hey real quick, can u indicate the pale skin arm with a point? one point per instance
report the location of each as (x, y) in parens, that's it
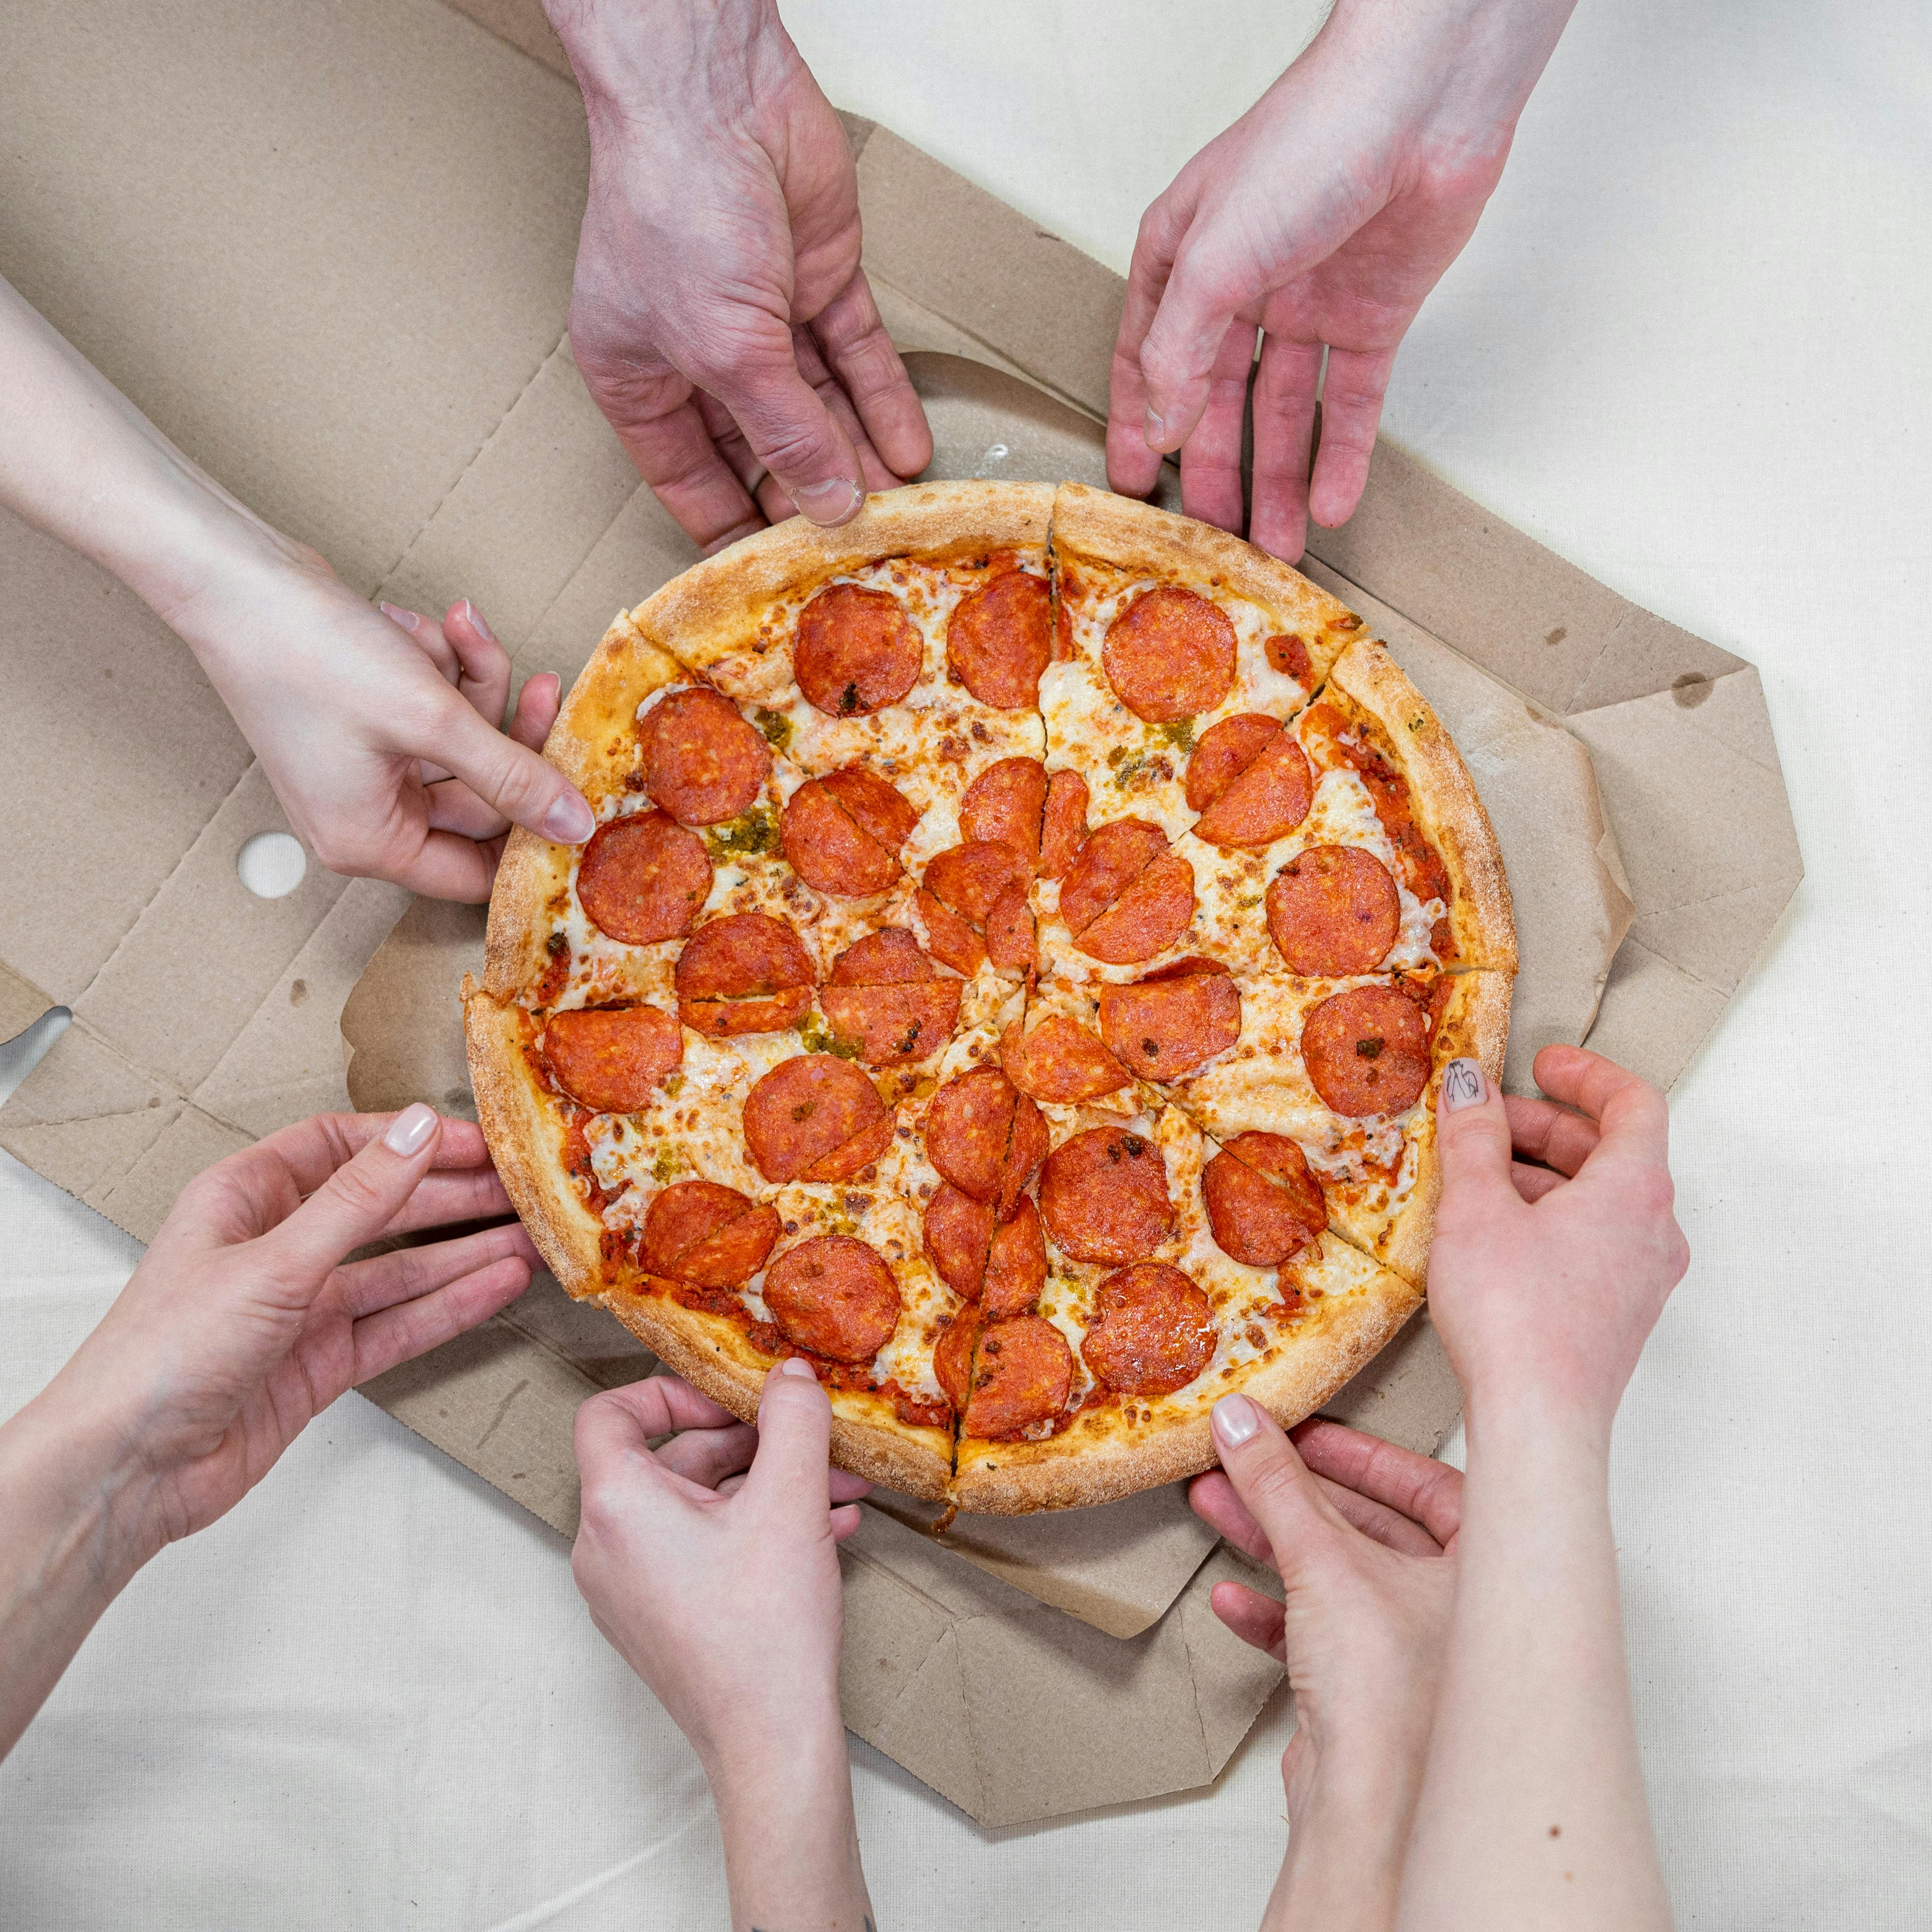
(1316, 225)
(377, 729)
(242, 1322)
(1532, 1811)
(712, 1565)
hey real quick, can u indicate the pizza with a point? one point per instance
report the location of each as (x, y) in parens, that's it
(1012, 970)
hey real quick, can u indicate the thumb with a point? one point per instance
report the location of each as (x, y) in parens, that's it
(1270, 1477)
(788, 428)
(515, 780)
(1472, 1134)
(358, 1201)
(794, 1438)
(1182, 346)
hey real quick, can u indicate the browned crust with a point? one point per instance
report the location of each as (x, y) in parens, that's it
(712, 1354)
(1074, 1471)
(525, 1142)
(1134, 535)
(1476, 1027)
(1447, 808)
(592, 741)
(710, 611)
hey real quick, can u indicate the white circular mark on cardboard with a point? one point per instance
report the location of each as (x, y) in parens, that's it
(271, 864)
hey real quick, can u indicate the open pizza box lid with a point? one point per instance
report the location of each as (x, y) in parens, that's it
(240, 282)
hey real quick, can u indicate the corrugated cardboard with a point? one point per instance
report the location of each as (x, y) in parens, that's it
(328, 250)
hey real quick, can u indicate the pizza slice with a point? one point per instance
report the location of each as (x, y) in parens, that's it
(1166, 629)
(1100, 1383)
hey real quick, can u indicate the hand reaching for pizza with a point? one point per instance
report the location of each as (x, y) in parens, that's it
(1363, 1534)
(242, 1322)
(719, 316)
(711, 1564)
(1319, 221)
(1555, 1246)
(381, 742)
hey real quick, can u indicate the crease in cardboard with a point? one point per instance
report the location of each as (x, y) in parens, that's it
(475, 455)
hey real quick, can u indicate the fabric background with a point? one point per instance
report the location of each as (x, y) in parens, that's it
(1688, 350)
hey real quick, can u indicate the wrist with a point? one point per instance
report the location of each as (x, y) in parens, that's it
(753, 1759)
(629, 54)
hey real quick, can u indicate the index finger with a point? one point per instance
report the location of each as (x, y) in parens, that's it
(624, 1420)
(1632, 1118)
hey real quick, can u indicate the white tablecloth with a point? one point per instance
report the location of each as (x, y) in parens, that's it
(1689, 348)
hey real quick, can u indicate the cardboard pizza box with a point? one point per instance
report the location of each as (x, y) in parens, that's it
(328, 252)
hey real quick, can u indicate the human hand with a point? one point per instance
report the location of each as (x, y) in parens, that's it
(1363, 1534)
(378, 729)
(719, 316)
(1549, 1272)
(712, 1565)
(1321, 219)
(243, 1320)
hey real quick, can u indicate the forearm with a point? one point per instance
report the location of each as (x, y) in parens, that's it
(1345, 1855)
(1532, 1811)
(791, 1845)
(1480, 58)
(75, 1525)
(78, 460)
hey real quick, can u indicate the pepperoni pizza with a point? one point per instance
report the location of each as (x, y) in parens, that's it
(1012, 970)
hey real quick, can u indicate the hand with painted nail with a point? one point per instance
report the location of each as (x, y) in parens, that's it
(1363, 1535)
(711, 1564)
(719, 315)
(1317, 224)
(1555, 1246)
(382, 743)
(244, 1320)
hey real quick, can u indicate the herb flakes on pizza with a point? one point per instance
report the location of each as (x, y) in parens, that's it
(1012, 970)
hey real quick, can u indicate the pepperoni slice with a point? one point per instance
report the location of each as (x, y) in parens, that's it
(962, 886)
(815, 1117)
(888, 1026)
(1367, 1050)
(1147, 918)
(998, 640)
(1022, 1375)
(877, 807)
(953, 1357)
(745, 973)
(1025, 1152)
(703, 762)
(967, 1126)
(643, 878)
(1016, 1265)
(712, 1237)
(959, 1232)
(1064, 824)
(610, 1058)
(1170, 654)
(1265, 802)
(834, 1296)
(1007, 802)
(890, 957)
(1173, 1020)
(1059, 1063)
(1289, 656)
(857, 650)
(829, 848)
(1103, 1195)
(1112, 857)
(1225, 751)
(1264, 1203)
(1333, 910)
(1153, 1331)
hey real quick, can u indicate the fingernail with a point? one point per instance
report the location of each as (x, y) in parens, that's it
(475, 618)
(570, 821)
(830, 502)
(1236, 1419)
(396, 614)
(408, 1132)
(1463, 1085)
(1156, 431)
(796, 1365)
